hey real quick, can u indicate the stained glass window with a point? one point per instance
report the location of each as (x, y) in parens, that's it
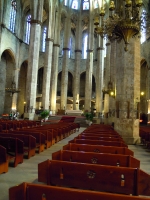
(85, 41)
(44, 39)
(86, 5)
(12, 20)
(28, 27)
(75, 4)
(95, 4)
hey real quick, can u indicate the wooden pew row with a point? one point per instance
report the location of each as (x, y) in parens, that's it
(96, 158)
(40, 138)
(145, 136)
(48, 134)
(29, 142)
(113, 179)
(98, 149)
(99, 142)
(3, 160)
(99, 137)
(14, 149)
(30, 191)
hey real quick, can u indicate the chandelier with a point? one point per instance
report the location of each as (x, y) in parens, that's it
(12, 90)
(124, 24)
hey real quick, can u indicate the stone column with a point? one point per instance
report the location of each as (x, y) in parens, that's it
(64, 79)
(47, 74)
(113, 81)
(2, 84)
(1, 18)
(33, 59)
(128, 90)
(78, 54)
(99, 77)
(107, 69)
(89, 66)
(15, 95)
(55, 57)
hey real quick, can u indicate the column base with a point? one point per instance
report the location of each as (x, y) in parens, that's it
(132, 140)
(30, 116)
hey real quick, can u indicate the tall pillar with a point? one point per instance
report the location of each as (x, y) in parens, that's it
(99, 76)
(78, 54)
(128, 91)
(33, 59)
(55, 57)
(64, 79)
(1, 18)
(113, 81)
(89, 67)
(47, 74)
(107, 70)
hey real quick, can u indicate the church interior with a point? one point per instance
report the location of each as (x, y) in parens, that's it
(73, 58)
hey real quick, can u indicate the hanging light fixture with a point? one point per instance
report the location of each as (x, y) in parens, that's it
(123, 24)
(12, 90)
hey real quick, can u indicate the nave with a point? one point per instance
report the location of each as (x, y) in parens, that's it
(28, 170)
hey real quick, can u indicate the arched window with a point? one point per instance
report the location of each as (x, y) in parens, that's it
(95, 4)
(28, 27)
(85, 41)
(75, 4)
(44, 39)
(12, 20)
(86, 5)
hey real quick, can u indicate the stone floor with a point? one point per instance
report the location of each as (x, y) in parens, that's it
(28, 170)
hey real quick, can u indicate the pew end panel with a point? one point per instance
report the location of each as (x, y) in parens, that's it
(56, 155)
(3, 160)
(43, 171)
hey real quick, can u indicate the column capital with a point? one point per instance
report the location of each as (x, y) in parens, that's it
(89, 50)
(100, 48)
(66, 49)
(56, 45)
(78, 50)
(34, 21)
(49, 39)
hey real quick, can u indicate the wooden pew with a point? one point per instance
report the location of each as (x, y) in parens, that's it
(99, 142)
(29, 142)
(40, 138)
(48, 134)
(98, 149)
(121, 180)
(96, 158)
(99, 137)
(14, 148)
(3, 160)
(30, 191)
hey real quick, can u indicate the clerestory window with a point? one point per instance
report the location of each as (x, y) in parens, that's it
(86, 5)
(44, 39)
(28, 27)
(12, 20)
(75, 4)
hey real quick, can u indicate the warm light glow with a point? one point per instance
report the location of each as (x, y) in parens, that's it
(142, 93)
